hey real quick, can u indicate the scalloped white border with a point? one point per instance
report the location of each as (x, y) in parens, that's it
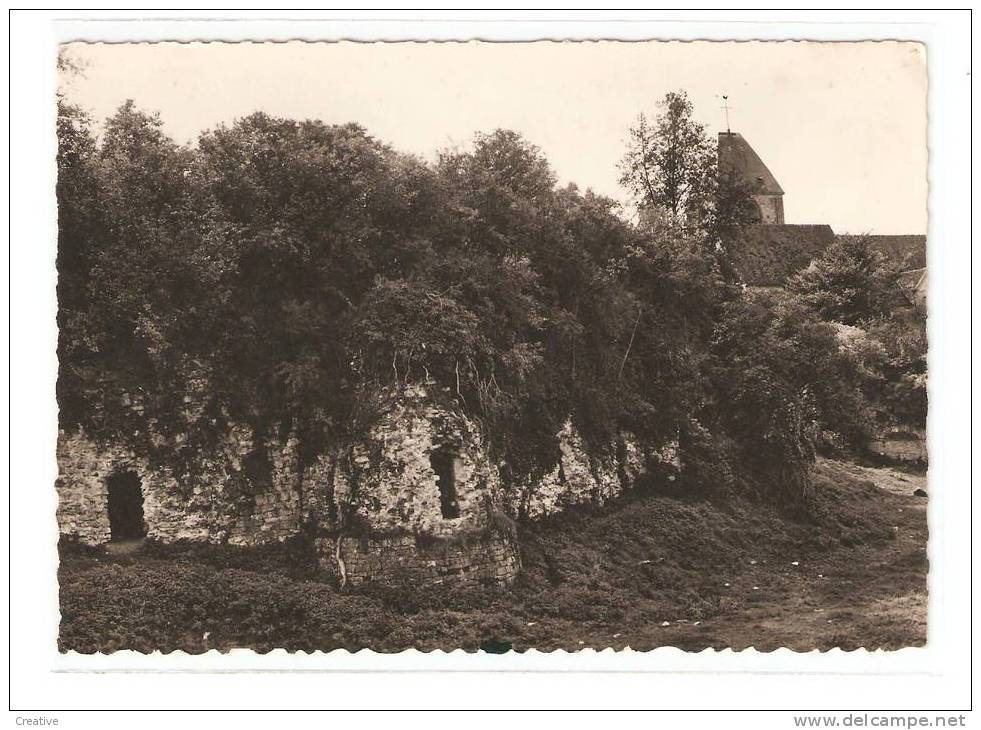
(918, 678)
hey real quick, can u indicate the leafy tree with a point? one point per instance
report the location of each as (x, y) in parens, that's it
(850, 282)
(903, 370)
(81, 230)
(293, 274)
(668, 164)
(128, 292)
(301, 220)
(892, 357)
(779, 379)
(671, 169)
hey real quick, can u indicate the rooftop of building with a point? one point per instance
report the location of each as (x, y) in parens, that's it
(905, 251)
(765, 255)
(736, 153)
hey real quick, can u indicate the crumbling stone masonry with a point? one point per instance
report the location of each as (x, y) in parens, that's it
(196, 508)
(422, 468)
(491, 558)
(900, 445)
(582, 477)
(418, 498)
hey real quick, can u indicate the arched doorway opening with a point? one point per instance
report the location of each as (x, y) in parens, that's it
(125, 504)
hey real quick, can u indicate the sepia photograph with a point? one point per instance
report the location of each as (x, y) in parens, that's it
(466, 361)
(492, 346)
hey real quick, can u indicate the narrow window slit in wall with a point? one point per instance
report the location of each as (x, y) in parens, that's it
(443, 462)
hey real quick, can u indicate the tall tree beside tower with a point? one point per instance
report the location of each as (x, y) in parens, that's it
(671, 169)
(669, 161)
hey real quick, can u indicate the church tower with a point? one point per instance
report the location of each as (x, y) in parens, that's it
(735, 155)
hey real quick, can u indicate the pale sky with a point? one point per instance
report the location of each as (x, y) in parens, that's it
(842, 126)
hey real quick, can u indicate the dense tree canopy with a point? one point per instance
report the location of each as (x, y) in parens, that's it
(853, 284)
(288, 273)
(781, 378)
(850, 282)
(671, 169)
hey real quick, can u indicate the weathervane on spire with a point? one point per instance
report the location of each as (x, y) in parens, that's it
(725, 109)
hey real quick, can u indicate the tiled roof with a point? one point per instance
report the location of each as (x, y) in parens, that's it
(767, 254)
(735, 153)
(907, 251)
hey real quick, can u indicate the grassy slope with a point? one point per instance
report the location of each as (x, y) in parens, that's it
(594, 578)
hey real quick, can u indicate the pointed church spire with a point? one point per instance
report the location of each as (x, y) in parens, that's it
(736, 156)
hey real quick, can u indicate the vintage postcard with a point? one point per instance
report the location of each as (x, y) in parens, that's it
(492, 346)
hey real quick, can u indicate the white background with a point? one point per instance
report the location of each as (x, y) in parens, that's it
(45, 683)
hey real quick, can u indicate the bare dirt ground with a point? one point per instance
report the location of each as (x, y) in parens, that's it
(862, 596)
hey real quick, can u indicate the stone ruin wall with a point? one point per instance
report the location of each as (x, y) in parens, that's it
(389, 480)
(390, 484)
(490, 558)
(384, 487)
(82, 490)
(907, 445)
(203, 509)
(580, 477)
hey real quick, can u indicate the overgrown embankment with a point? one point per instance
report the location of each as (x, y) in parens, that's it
(651, 570)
